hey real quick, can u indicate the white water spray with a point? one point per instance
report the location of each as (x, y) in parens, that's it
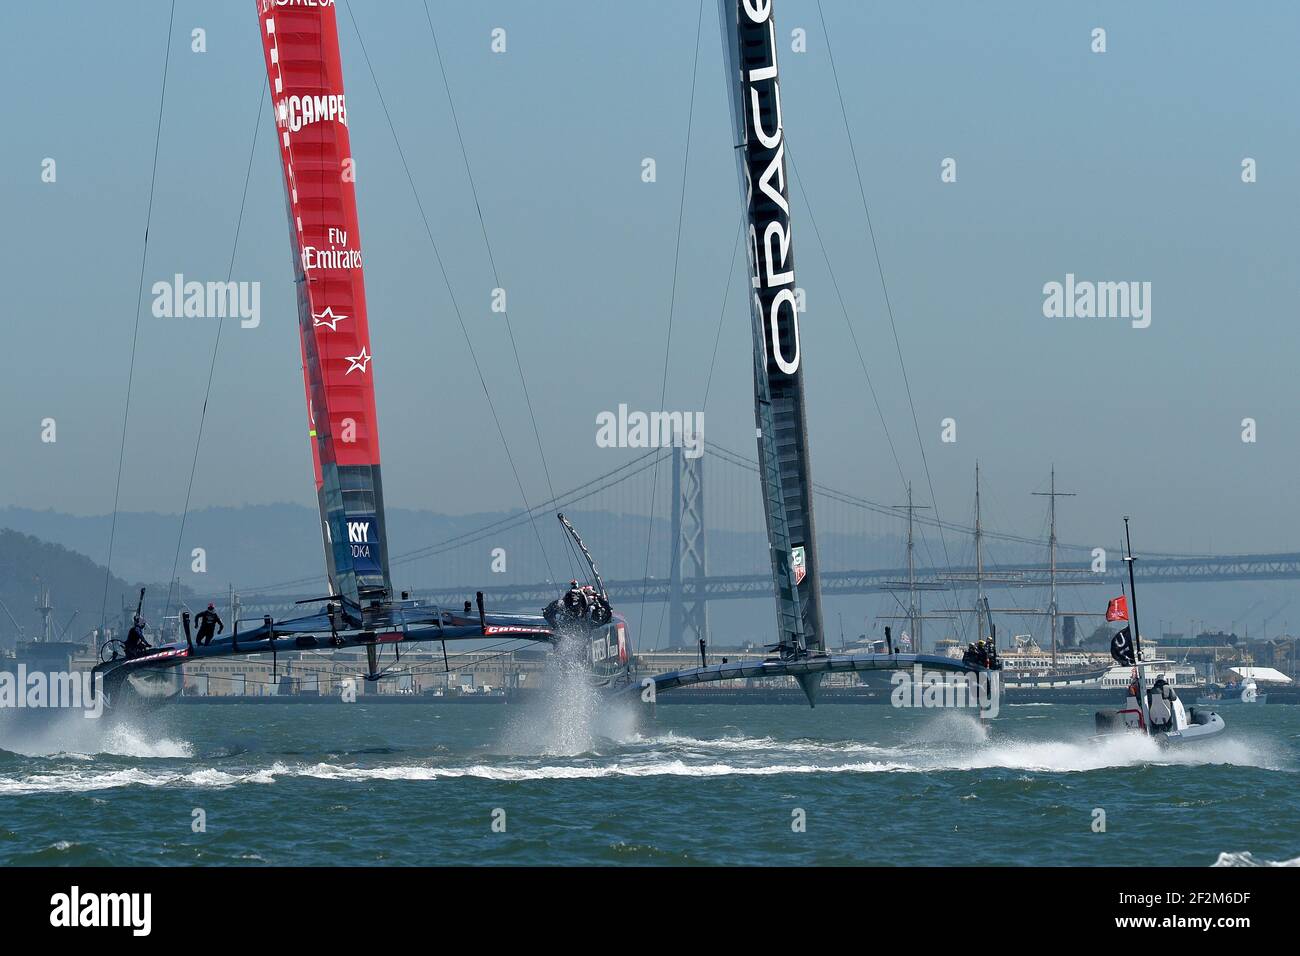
(68, 733)
(573, 716)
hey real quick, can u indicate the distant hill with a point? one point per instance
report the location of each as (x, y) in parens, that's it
(256, 546)
(76, 584)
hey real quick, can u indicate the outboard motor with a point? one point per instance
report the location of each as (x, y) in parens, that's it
(1109, 722)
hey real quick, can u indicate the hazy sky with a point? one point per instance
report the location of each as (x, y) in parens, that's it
(1116, 166)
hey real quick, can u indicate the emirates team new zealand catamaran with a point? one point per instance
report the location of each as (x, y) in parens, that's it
(301, 50)
(300, 43)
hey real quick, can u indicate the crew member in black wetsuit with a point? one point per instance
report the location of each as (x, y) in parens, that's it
(575, 602)
(207, 620)
(601, 612)
(135, 642)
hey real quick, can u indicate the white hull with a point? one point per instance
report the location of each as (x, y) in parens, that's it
(1195, 732)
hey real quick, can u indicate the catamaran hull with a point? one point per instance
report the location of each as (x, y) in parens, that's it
(126, 687)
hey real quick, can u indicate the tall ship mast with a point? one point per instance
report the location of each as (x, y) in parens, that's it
(301, 47)
(749, 45)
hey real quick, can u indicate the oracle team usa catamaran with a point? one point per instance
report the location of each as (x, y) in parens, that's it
(301, 48)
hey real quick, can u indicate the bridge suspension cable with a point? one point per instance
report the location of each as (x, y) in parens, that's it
(516, 519)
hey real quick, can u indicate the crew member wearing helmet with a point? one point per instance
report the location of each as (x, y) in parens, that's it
(208, 620)
(135, 642)
(575, 602)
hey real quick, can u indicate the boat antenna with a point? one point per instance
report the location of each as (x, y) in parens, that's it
(1132, 587)
(1137, 640)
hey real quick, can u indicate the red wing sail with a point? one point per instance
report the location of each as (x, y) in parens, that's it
(301, 46)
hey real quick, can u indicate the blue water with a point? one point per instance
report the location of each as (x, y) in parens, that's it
(327, 784)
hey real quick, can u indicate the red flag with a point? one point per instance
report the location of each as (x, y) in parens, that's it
(1117, 609)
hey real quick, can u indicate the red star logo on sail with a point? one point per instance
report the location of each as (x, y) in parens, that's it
(327, 318)
(359, 362)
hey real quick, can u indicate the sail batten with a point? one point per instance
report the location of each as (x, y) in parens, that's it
(749, 43)
(301, 49)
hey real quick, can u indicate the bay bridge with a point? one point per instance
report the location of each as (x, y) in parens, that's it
(656, 542)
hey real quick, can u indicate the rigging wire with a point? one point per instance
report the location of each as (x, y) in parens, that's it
(613, 479)
(889, 308)
(844, 309)
(135, 334)
(858, 349)
(672, 304)
(451, 294)
(509, 522)
(464, 154)
(740, 460)
(794, 174)
(708, 384)
(722, 313)
(216, 347)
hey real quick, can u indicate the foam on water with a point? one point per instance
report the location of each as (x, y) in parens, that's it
(756, 757)
(68, 733)
(78, 782)
(758, 745)
(1246, 858)
(657, 768)
(1120, 750)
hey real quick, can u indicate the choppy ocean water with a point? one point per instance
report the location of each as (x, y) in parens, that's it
(358, 784)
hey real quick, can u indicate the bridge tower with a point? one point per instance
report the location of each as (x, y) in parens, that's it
(688, 616)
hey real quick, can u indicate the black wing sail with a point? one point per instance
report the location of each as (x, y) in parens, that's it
(749, 41)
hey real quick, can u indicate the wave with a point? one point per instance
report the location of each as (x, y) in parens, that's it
(74, 736)
(673, 741)
(1058, 756)
(670, 768)
(79, 781)
(1246, 858)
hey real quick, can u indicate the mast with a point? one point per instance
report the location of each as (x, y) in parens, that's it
(1137, 640)
(749, 43)
(913, 610)
(301, 48)
(1052, 495)
(915, 616)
